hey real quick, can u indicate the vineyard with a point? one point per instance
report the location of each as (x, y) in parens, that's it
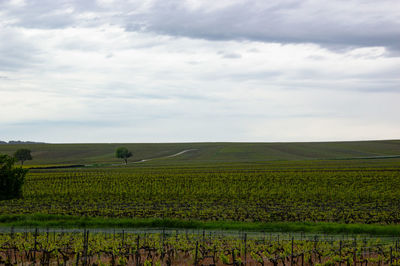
(161, 247)
(257, 193)
(178, 193)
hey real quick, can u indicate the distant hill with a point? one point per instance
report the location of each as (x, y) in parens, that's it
(219, 152)
(20, 142)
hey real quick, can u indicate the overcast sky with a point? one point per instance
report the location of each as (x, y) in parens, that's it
(199, 70)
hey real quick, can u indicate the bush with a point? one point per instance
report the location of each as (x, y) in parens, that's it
(11, 178)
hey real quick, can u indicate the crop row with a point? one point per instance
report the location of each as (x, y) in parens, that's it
(169, 248)
(350, 197)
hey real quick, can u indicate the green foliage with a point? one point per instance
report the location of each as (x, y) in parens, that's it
(234, 192)
(181, 248)
(11, 178)
(224, 258)
(23, 155)
(123, 153)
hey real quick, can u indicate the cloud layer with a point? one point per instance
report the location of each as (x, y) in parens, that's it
(154, 71)
(356, 23)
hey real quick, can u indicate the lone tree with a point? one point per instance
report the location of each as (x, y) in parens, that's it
(11, 178)
(123, 153)
(23, 155)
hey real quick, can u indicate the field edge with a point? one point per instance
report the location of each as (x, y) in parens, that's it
(66, 221)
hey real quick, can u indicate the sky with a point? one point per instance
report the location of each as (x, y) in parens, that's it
(199, 70)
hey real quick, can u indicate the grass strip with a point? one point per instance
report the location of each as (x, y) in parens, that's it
(65, 221)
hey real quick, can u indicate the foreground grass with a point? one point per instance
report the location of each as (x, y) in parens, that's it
(64, 221)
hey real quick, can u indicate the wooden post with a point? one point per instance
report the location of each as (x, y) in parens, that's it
(291, 257)
(137, 250)
(195, 254)
(214, 254)
(123, 238)
(162, 244)
(355, 250)
(245, 248)
(85, 246)
(355, 256)
(77, 259)
(34, 249)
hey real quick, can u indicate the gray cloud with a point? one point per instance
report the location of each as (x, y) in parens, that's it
(336, 24)
(47, 14)
(230, 55)
(64, 123)
(16, 51)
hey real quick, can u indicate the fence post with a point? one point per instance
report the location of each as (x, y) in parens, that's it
(195, 254)
(245, 248)
(291, 256)
(34, 250)
(85, 246)
(162, 244)
(391, 256)
(214, 254)
(77, 259)
(137, 250)
(123, 238)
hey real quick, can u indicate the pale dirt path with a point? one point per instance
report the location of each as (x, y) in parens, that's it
(168, 156)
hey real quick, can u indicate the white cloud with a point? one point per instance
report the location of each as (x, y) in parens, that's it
(85, 78)
(17, 3)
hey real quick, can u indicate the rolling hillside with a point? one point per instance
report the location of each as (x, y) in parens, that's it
(207, 152)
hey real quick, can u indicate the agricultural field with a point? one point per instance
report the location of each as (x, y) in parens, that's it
(189, 247)
(337, 183)
(254, 193)
(206, 153)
